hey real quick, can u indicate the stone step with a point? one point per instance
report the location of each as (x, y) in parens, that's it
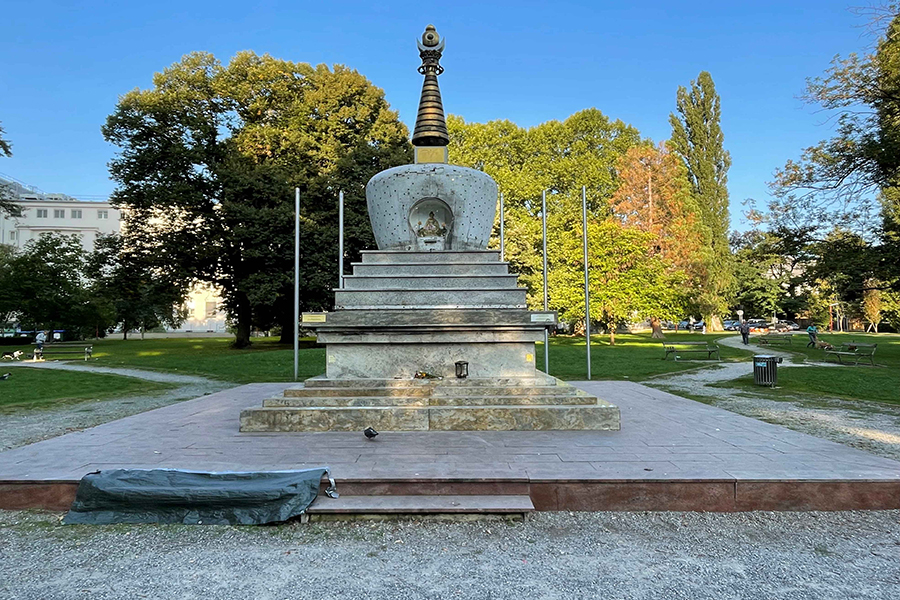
(419, 401)
(346, 391)
(446, 256)
(427, 299)
(320, 381)
(430, 282)
(422, 505)
(431, 268)
(597, 417)
(532, 390)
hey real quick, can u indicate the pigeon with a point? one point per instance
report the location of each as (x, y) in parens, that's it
(6, 376)
(370, 433)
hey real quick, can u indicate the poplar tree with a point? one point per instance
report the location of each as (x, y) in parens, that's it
(697, 138)
(7, 198)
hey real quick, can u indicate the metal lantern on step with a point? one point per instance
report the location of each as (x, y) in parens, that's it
(462, 369)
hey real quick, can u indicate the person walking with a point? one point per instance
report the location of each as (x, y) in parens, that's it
(813, 335)
(745, 332)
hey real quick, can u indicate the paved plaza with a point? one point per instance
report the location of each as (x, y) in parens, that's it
(672, 453)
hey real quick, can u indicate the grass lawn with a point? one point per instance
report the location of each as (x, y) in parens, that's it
(863, 382)
(29, 388)
(634, 357)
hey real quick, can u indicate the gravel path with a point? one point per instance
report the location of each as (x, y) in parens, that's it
(870, 426)
(552, 555)
(26, 427)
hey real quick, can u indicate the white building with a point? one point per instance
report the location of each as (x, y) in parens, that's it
(56, 213)
(59, 213)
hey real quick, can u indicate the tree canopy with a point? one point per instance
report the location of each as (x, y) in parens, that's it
(209, 159)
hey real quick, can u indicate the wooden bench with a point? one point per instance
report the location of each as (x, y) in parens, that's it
(64, 348)
(853, 350)
(677, 348)
(775, 338)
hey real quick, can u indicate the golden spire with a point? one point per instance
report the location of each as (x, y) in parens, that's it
(431, 126)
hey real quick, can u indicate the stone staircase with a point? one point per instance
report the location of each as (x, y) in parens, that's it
(511, 404)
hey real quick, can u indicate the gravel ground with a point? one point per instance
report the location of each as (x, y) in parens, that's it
(870, 426)
(551, 555)
(26, 427)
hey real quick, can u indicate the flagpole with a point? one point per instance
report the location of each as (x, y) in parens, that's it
(546, 304)
(296, 282)
(587, 294)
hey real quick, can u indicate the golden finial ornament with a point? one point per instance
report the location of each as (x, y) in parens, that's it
(431, 125)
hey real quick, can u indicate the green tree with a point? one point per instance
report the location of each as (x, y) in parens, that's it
(46, 287)
(872, 305)
(209, 159)
(698, 139)
(836, 181)
(629, 280)
(7, 298)
(7, 198)
(135, 293)
(559, 156)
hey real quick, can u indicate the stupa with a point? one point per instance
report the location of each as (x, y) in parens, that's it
(431, 331)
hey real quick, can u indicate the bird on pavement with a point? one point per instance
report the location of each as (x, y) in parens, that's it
(6, 376)
(370, 433)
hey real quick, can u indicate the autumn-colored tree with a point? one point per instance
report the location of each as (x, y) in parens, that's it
(654, 197)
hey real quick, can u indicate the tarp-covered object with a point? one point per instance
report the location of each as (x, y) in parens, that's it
(175, 496)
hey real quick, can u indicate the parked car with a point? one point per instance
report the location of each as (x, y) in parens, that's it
(731, 325)
(684, 324)
(789, 325)
(699, 325)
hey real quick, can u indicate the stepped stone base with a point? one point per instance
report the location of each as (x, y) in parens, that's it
(403, 313)
(421, 405)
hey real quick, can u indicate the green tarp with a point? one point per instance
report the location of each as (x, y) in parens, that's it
(175, 496)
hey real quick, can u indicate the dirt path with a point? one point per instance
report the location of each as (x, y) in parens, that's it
(870, 426)
(26, 427)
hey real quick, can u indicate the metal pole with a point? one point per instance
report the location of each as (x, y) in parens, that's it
(341, 239)
(587, 293)
(296, 281)
(546, 305)
(502, 239)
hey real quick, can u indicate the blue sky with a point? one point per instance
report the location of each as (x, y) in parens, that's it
(63, 65)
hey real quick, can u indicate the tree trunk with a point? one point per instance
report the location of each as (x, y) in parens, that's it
(713, 323)
(287, 324)
(124, 330)
(612, 335)
(244, 318)
(656, 326)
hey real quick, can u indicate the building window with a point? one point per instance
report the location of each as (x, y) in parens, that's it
(76, 213)
(210, 310)
(59, 213)
(12, 236)
(42, 213)
(103, 214)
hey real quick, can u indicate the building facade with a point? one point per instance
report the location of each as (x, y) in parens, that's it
(59, 213)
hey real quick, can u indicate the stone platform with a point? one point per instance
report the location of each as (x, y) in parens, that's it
(497, 404)
(671, 454)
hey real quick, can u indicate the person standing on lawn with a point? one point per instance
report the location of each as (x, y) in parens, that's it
(813, 335)
(745, 332)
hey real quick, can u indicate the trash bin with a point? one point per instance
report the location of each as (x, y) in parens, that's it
(765, 369)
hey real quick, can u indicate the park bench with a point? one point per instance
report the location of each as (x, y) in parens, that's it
(677, 348)
(64, 348)
(775, 338)
(853, 351)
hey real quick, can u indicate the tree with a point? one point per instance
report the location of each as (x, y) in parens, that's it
(654, 197)
(871, 305)
(698, 139)
(629, 280)
(7, 198)
(836, 182)
(46, 287)
(209, 159)
(136, 293)
(558, 156)
(7, 298)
